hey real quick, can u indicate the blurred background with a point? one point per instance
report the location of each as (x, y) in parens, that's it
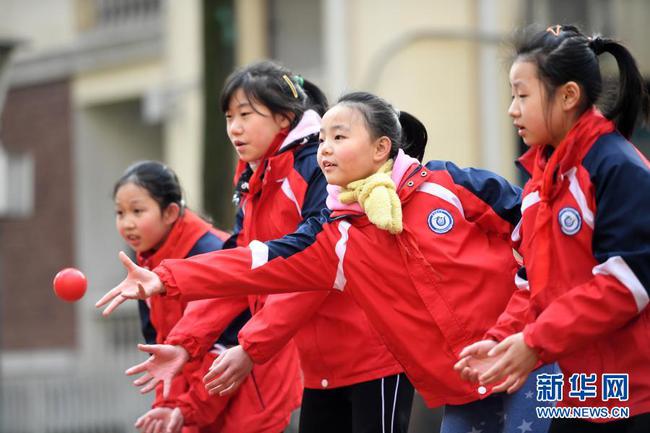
(89, 86)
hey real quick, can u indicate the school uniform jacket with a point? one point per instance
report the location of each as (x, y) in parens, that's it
(336, 342)
(589, 296)
(429, 291)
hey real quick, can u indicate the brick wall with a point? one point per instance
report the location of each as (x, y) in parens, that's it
(37, 119)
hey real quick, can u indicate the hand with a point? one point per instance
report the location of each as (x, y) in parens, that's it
(474, 360)
(164, 363)
(517, 361)
(161, 420)
(140, 283)
(230, 369)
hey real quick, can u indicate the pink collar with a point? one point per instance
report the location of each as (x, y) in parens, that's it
(400, 166)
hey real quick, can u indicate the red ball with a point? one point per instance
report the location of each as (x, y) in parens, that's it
(70, 284)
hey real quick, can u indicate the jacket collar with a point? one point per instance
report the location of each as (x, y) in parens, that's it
(402, 169)
(187, 230)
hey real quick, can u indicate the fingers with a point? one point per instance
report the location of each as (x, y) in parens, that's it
(176, 421)
(150, 386)
(143, 379)
(113, 305)
(142, 367)
(167, 385)
(516, 386)
(510, 381)
(108, 296)
(475, 349)
(140, 421)
(150, 348)
(127, 262)
(496, 372)
(463, 363)
(501, 347)
(217, 369)
(230, 389)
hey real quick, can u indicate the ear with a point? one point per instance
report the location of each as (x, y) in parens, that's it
(382, 149)
(171, 213)
(284, 120)
(570, 95)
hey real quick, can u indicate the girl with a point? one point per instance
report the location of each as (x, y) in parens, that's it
(421, 249)
(352, 382)
(151, 218)
(584, 232)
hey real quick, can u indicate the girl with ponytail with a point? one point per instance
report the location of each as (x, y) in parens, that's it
(584, 235)
(424, 250)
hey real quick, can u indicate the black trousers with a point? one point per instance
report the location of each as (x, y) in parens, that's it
(378, 406)
(635, 424)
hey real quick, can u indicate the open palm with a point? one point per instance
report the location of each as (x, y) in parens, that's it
(140, 283)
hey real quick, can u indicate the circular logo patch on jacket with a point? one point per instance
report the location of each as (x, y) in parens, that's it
(570, 221)
(440, 221)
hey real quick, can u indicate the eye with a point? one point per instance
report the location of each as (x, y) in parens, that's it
(119, 213)
(138, 211)
(339, 137)
(321, 140)
(245, 113)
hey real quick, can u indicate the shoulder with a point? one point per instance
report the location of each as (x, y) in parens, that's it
(305, 162)
(612, 156)
(206, 243)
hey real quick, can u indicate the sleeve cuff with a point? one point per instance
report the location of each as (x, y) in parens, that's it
(167, 279)
(531, 341)
(190, 344)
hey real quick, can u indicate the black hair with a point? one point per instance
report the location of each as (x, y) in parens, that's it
(159, 180)
(562, 53)
(277, 88)
(404, 130)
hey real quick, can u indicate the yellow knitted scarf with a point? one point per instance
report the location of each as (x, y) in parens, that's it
(377, 196)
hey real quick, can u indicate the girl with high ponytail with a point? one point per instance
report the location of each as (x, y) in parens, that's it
(584, 235)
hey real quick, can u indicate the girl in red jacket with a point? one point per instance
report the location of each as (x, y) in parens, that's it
(424, 250)
(151, 218)
(584, 235)
(351, 383)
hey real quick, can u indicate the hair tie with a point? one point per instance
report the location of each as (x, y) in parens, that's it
(555, 30)
(291, 86)
(597, 45)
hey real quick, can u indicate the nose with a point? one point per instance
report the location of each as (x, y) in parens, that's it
(513, 109)
(127, 222)
(235, 127)
(324, 148)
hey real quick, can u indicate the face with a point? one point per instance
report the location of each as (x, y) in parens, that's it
(347, 152)
(538, 120)
(251, 127)
(139, 220)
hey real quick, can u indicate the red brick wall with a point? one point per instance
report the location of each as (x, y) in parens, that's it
(37, 119)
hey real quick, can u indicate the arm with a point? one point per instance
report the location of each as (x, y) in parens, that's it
(276, 323)
(487, 199)
(203, 322)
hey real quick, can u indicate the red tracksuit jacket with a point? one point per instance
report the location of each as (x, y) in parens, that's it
(336, 342)
(429, 291)
(585, 241)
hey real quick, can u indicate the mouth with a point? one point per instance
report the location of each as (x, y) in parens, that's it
(238, 143)
(328, 165)
(520, 129)
(132, 239)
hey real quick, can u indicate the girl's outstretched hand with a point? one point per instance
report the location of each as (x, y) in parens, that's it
(164, 363)
(474, 360)
(230, 370)
(161, 420)
(140, 283)
(516, 361)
